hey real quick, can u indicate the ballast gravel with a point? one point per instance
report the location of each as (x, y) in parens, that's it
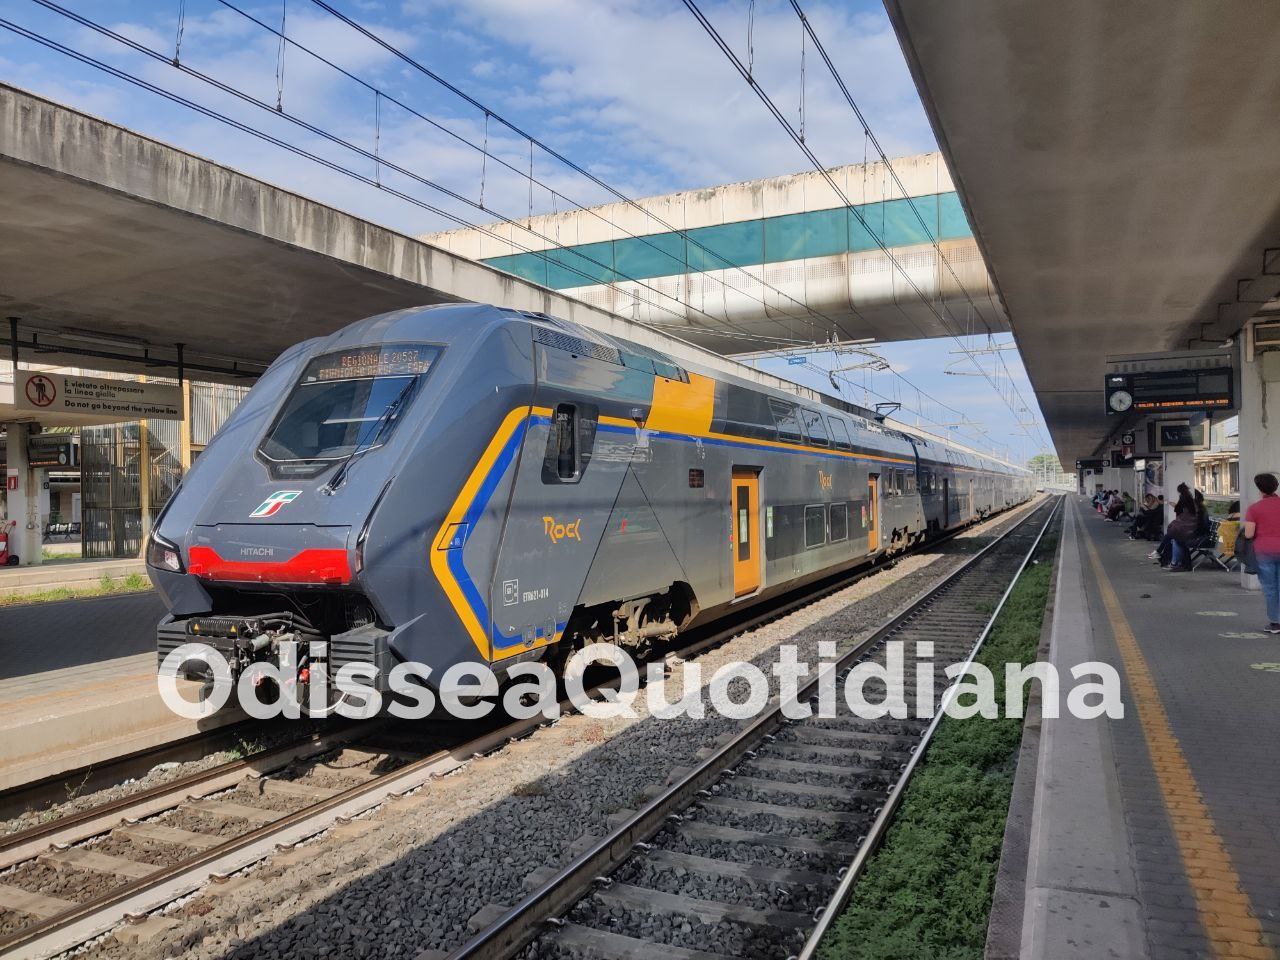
(413, 881)
(78, 800)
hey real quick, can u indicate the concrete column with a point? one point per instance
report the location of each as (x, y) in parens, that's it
(1178, 468)
(41, 478)
(1259, 422)
(24, 503)
(144, 479)
(185, 435)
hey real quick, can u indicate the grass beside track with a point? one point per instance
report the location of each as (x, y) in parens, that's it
(107, 586)
(926, 893)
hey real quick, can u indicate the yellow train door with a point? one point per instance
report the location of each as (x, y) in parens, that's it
(746, 532)
(873, 512)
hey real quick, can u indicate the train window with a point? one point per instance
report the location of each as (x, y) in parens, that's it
(746, 414)
(697, 479)
(814, 427)
(669, 370)
(839, 522)
(787, 417)
(815, 526)
(911, 481)
(346, 402)
(569, 443)
(839, 433)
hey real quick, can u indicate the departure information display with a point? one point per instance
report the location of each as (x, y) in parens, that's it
(392, 360)
(1171, 390)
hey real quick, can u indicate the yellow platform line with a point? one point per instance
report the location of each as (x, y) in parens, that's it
(1221, 903)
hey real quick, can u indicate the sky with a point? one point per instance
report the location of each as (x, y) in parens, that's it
(632, 91)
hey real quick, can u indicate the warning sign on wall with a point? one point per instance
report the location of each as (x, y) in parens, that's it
(38, 391)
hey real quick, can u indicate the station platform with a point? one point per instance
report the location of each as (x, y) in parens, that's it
(63, 720)
(1156, 835)
(16, 581)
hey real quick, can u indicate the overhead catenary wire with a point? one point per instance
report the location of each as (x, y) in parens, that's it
(514, 128)
(349, 145)
(944, 321)
(812, 33)
(490, 113)
(377, 157)
(808, 315)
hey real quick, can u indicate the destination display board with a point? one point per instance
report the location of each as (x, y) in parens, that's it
(394, 360)
(1171, 391)
(56, 450)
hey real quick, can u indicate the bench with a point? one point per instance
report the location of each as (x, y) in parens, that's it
(64, 529)
(1203, 548)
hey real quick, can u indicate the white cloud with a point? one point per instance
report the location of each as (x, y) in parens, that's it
(665, 95)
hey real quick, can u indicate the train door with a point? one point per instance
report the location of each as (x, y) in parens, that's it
(873, 512)
(972, 512)
(946, 504)
(746, 531)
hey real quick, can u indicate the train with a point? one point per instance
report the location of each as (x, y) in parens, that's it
(472, 484)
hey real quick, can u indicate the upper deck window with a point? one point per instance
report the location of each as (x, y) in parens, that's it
(787, 417)
(347, 401)
(839, 433)
(814, 427)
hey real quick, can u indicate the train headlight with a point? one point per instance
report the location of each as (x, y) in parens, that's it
(163, 555)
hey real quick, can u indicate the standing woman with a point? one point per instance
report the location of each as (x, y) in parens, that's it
(1262, 527)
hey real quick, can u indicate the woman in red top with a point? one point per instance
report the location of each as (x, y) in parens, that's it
(1262, 527)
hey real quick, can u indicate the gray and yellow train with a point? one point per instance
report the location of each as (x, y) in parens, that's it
(469, 483)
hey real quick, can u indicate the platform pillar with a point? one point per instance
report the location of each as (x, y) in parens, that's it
(23, 502)
(1259, 421)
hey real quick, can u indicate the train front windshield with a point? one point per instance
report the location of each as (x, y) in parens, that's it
(347, 401)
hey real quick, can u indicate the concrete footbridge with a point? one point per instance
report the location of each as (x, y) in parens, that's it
(732, 267)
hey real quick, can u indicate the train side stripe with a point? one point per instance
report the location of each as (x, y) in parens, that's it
(443, 555)
(447, 560)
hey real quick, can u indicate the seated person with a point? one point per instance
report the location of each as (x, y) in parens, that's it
(1146, 524)
(1190, 521)
(1119, 505)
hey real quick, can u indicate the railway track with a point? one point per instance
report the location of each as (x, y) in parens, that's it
(70, 880)
(755, 852)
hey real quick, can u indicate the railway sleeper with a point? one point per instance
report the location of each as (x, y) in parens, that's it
(80, 858)
(735, 805)
(705, 911)
(582, 941)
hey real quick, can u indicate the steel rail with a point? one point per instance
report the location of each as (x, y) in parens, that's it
(141, 895)
(76, 827)
(875, 835)
(95, 916)
(520, 924)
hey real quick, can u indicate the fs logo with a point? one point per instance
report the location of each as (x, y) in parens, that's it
(559, 531)
(271, 506)
(825, 480)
